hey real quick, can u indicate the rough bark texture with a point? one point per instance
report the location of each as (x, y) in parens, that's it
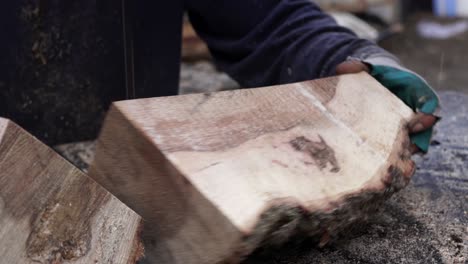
(219, 175)
(50, 212)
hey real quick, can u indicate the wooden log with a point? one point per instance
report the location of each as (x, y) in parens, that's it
(219, 175)
(50, 212)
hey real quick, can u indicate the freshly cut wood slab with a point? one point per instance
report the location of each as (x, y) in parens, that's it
(50, 212)
(219, 175)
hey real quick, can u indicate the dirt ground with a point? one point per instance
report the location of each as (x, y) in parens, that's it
(425, 223)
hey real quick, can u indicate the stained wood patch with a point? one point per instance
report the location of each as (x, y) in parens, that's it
(50, 212)
(219, 175)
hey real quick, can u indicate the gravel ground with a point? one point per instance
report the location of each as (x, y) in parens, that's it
(202, 77)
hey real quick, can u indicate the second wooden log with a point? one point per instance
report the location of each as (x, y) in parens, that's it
(50, 212)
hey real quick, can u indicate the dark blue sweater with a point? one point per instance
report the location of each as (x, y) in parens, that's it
(266, 42)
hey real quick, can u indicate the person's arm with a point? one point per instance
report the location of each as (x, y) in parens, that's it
(270, 42)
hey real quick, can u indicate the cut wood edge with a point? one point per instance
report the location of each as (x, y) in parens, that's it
(221, 241)
(138, 249)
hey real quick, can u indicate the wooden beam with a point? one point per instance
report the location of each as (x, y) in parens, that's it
(50, 212)
(219, 175)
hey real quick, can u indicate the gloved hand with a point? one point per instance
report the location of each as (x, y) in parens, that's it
(410, 88)
(417, 94)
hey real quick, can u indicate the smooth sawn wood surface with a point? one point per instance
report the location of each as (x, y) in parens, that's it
(50, 212)
(219, 175)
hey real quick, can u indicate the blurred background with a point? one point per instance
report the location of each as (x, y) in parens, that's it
(62, 62)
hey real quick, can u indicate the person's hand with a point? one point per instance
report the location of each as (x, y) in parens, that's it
(412, 90)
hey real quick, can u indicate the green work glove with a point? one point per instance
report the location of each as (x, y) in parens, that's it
(413, 91)
(411, 88)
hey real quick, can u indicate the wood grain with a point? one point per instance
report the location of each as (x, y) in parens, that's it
(218, 175)
(50, 212)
